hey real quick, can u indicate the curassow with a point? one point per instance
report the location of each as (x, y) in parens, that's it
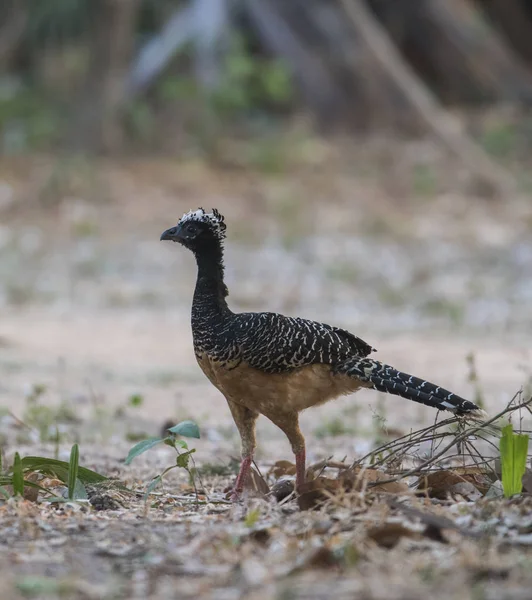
(277, 366)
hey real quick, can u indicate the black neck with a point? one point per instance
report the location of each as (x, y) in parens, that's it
(210, 290)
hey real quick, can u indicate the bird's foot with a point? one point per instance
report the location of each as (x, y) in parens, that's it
(241, 479)
(235, 495)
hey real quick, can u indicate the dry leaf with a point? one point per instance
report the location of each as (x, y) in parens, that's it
(444, 484)
(282, 468)
(389, 534)
(313, 493)
(256, 483)
(360, 479)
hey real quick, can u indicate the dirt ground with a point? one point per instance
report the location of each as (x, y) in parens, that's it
(95, 311)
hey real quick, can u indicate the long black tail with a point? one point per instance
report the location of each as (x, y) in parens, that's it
(387, 379)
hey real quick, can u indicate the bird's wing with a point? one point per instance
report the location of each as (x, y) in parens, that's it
(275, 343)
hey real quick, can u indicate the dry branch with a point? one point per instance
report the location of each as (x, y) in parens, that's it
(445, 127)
(401, 447)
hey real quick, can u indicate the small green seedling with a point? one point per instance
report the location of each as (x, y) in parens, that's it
(18, 476)
(514, 449)
(70, 473)
(184, 454)
(136, 400)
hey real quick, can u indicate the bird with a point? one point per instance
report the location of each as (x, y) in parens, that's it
(269, 364)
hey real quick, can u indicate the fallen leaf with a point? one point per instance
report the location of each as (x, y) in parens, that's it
(359, 479)
(282, 468)
(313, 494)
(444, 484)
(388, 535)
(256, 483)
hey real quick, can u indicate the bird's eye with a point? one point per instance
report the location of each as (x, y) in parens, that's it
(192, 228)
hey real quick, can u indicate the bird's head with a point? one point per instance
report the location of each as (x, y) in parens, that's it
(197, 229)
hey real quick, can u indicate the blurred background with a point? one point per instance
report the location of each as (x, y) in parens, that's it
(372, 159)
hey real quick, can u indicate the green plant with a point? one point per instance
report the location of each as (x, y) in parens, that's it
(70, 473)
(513, 450)
(184, 453)
(251, 518)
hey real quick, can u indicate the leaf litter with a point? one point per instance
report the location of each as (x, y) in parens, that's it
(393, 524)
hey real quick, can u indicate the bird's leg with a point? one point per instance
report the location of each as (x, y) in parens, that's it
(245, 421)
(243, 474)
(300, 468)
(289, 423)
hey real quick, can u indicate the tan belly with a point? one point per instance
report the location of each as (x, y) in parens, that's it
(267, 392)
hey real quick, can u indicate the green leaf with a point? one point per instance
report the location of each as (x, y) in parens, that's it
(18, 476)
(182, 460)
(136, 400)
(59, 469)
(80, 493)
(4, 493)
(32, 586)
(514, 449)
(252, 517)
(153, 484)
(186, 429)
(141, 447)
(73, 472)
(173, 442)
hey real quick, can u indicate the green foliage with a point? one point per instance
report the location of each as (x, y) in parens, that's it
(184, 428)
(59, 469)
(28, 120)
(142, 447)
(18, 476)
(250, 82)
(513, 449)
(251, 518)
(35, 586)
(45, 418)
(136, 400)
(70, 473)
(73, 467)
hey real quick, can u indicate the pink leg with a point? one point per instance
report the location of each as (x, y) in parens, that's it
(243, 474)
(300, 468)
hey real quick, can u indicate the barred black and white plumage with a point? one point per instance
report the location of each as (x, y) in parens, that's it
(387, 379)
(267, 363)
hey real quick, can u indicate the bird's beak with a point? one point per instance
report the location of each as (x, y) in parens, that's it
(170, 234)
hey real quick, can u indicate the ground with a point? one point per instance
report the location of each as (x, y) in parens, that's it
(95, 327)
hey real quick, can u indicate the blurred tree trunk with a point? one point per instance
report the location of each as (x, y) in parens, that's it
(275, 26)
(456, 51)
(444, 127)
(513, 18)
(96, 123)
(13, 21)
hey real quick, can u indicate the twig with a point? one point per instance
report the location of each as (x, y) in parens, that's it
(456, 441)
